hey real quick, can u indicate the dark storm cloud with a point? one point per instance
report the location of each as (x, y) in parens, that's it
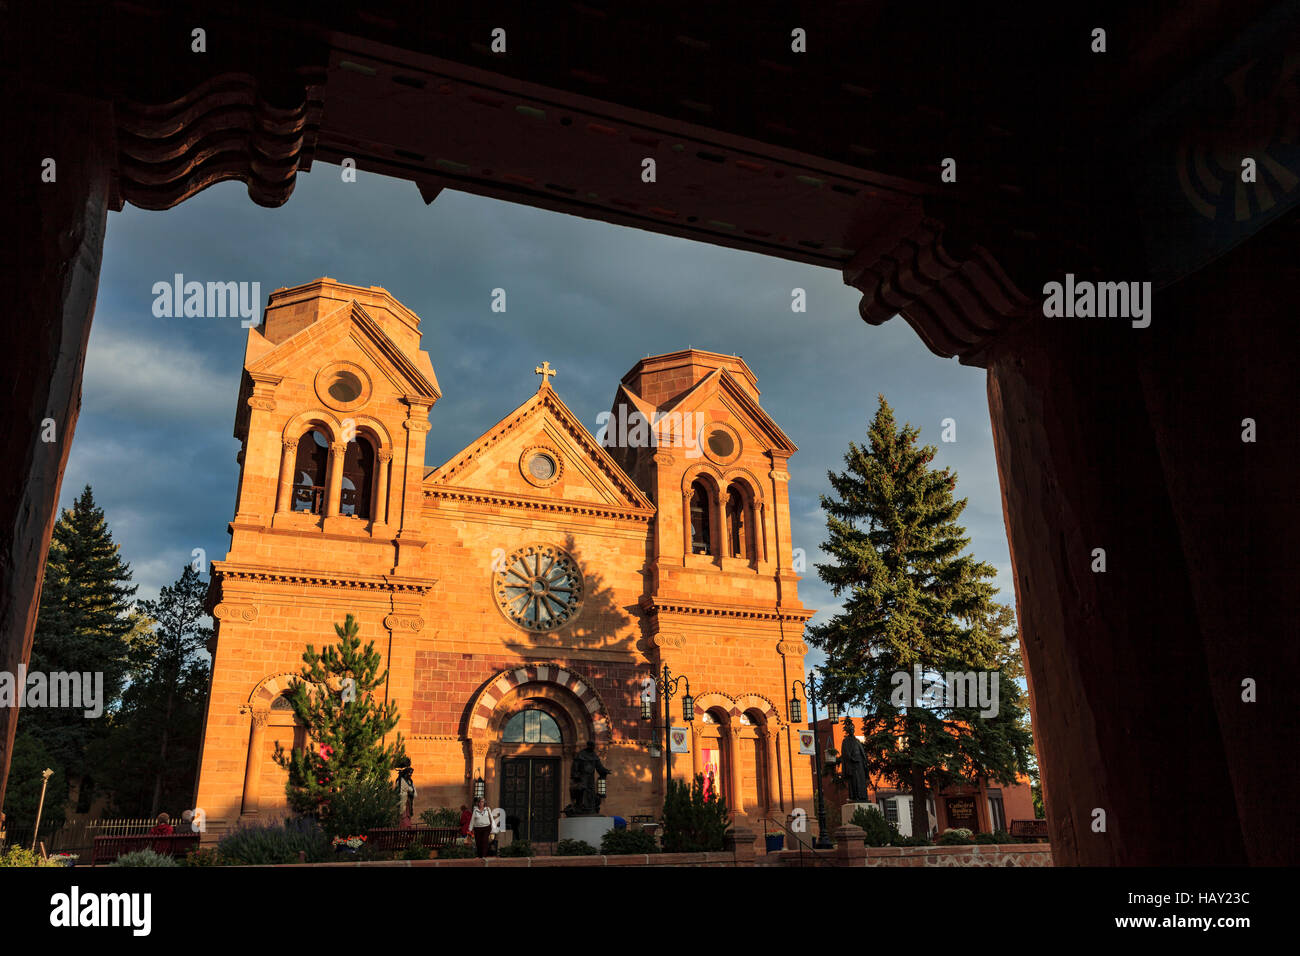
(154, 439)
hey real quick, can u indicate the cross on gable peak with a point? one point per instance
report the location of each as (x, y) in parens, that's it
(545, 371)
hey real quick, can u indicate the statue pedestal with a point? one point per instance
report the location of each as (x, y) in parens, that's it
(847, 811)
(587, 829)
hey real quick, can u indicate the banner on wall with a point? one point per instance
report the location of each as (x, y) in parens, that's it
(807, 744)
(679, 740)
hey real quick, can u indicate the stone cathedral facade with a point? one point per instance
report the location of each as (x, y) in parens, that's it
(522, 592)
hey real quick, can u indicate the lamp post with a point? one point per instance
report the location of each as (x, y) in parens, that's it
(796, 716)
(45, 782)
(667, 689)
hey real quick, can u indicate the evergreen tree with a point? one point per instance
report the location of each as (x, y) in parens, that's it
(913, 598)
(334, 700)
(85, 623)
(154, 743)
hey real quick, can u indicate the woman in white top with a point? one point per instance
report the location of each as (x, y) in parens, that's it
(481, 823)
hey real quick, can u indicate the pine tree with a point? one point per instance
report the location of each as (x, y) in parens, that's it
(913, 598)
(154, 744)
(85, 623)
(344, 725)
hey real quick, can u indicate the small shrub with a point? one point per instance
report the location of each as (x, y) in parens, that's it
(615, 842)
(955, 836)
(878, 831)
(456, 851)
(897, 839)
(691, 823)
(984, 839)
(575, 848)
(17, 856)
(144, 858)
(203, 856)
(1002, 836)
(260, 844)
(360, 805)
(416, 851)
(517, 848)
(440, 817)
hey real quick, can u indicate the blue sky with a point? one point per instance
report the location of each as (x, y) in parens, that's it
(154, 438)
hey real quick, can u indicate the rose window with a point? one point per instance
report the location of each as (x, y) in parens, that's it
(539, 588)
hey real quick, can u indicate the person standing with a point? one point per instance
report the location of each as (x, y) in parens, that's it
(481, 823)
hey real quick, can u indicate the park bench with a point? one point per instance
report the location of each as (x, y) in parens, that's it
(109, 848)
(403, 838)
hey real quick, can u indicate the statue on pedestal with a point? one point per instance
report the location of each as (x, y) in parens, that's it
(853, 763)
(582, 782)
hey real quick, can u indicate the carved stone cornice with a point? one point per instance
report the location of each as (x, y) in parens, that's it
(669, 640)
(263, 403)
(528, 503)
(792, 648)
(223, 573)
(385, 455)
(654, 606)
(417, 425)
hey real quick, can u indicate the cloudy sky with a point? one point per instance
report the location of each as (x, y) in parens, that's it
(154, 439)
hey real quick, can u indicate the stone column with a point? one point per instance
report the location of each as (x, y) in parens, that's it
(696, 769)
(334, 483)
(253, 766)
(735, 797)
(775, 798)
(284, 496)
(721, 539)
(382, 458)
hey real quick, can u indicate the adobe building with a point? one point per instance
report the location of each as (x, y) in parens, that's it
(520, 593)
(981, 807)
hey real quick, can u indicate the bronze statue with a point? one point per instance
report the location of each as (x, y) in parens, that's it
(853, 761)
(582, 782)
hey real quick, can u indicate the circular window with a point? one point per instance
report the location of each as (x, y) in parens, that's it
(721, 443)
(541, 466)
(343, 386)
(539, 588)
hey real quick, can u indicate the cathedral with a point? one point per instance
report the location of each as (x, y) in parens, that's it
(527, 594)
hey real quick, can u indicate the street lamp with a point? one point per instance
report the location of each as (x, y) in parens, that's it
(796, 716)
(45, 782)
(667, 688)
(480, 789)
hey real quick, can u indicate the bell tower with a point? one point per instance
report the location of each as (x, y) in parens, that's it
(333, 412)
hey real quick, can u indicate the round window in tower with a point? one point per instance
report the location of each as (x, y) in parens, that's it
(721, 443)
(343, 386)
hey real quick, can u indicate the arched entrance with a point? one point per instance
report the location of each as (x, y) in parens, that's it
(525, 727)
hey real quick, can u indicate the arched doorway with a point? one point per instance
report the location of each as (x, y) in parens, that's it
(532, 762)
(525, 726)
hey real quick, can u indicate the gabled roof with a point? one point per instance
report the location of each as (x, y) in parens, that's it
(721, 380)
(622, 490)
(374, 341)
